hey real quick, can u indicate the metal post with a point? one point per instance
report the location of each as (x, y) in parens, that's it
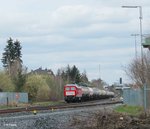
(140, 17)
(135, 35)
(7, 100)
(99, 75)
(145, 97)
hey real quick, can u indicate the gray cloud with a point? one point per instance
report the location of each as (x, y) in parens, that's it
(83, 33)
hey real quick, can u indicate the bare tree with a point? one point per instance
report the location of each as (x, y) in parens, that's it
(139, 70)
(98, 83)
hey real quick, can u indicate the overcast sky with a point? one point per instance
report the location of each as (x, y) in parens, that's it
(94, 35)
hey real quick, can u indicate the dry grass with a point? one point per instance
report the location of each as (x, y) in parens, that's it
(112, 120)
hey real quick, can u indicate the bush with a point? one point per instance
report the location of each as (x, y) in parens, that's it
(56, 85)
(6, 84)
(43, 93)
(37, 88)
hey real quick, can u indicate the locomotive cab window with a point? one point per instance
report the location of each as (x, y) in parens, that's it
(67, 88)
(72, 88)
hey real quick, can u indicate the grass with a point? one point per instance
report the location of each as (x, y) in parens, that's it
(47, 103)
(131, 110)
(4, 107)
(13, 105)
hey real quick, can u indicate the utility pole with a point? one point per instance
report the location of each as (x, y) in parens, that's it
(135, 35)
(99, 75)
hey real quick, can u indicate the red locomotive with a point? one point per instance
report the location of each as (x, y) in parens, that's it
(77, 93)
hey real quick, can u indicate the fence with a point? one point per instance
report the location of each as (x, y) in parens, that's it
(138, 97)
(13, 97)
(146, 92)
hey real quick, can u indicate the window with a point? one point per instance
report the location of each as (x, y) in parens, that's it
(72, 88)
(67, 88)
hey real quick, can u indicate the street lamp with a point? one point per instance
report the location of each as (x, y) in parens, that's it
(135, 35)
(140, 17)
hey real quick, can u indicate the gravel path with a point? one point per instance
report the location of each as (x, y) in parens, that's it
(58, 119)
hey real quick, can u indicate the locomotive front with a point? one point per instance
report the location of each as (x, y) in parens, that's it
(72, 93)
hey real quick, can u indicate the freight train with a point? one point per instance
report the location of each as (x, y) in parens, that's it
(78, 93)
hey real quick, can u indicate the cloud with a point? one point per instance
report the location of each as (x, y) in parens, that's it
(83, 33)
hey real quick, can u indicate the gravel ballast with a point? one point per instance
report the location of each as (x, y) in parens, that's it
(57, 119)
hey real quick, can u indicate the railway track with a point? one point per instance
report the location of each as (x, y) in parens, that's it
(64, 106)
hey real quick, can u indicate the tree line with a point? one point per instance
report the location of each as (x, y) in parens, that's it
(15, 76)
(39, 87)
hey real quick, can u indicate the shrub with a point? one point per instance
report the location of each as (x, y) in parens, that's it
(6, 83)
(36, 87)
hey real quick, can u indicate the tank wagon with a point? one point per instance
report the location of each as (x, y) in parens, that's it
(77, 93)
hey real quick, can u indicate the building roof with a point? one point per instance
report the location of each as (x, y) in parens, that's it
(146, 44)
(42, 71)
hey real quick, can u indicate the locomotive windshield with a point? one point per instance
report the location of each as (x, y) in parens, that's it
(72, 88)
(67, 88)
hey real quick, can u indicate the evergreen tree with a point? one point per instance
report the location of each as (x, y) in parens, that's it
(12, 61)
(75, 75)
(17, 48)
(70, 74)
(8, 55)
(19, 81)
(68, 71)
(11, 58)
